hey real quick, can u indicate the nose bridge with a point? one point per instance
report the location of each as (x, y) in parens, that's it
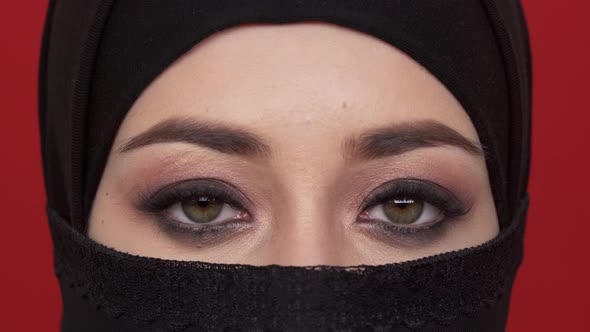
(304, 232)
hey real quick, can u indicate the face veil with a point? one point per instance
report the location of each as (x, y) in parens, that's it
(98, 56)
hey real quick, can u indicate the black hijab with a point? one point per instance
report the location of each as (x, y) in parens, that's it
(99, 55)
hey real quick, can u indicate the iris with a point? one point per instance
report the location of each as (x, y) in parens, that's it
(403, 211)
(202, 209)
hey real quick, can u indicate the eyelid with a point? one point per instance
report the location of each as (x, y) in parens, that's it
(440, 216)
(169, 194)
(161, 200)
(426, 190)
(238, 215)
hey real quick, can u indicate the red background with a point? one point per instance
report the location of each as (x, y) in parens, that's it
(553, 285)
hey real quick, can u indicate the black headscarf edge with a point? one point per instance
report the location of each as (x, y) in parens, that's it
(64, 191)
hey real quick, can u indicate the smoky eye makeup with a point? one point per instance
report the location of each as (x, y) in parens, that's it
(410, 209)
(210, 211)
(203, 210)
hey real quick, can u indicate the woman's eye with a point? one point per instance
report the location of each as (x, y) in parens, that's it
(203, 209)
(405, 212)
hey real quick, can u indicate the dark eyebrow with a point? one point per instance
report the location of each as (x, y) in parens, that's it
(403, 137)
(376, 143)
(213, 136)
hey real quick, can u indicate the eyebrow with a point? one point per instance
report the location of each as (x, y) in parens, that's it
(381, 142)
(213, 136)
(403, 137)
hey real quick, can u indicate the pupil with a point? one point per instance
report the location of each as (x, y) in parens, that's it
(202, 209)
(203, 202)
(403, 203)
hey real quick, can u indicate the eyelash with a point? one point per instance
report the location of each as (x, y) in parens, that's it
(159, 203)
(429, 192)
(167, 197)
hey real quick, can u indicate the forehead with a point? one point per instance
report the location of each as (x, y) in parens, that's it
(320, 75)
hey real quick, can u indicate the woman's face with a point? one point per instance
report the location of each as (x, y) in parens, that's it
(294, 144)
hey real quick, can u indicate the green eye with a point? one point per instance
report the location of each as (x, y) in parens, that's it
(403, 211)
(202, 209)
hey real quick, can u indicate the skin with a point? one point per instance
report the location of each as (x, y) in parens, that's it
(303, 88)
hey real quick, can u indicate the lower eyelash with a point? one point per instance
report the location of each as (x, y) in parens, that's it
(202, 237)
(202, 232)
(410, 237)
(405, 229)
